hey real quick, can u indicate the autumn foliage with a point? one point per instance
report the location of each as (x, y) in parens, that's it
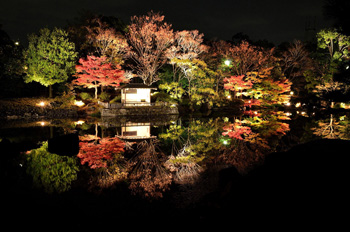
(236, 130)
(107, 41)
(96, 71)
(148, 176)
(274, 127)
(149, 37)
(96, 154)
(252, 102)
(247, 57)
(237, 84)
(187, 45)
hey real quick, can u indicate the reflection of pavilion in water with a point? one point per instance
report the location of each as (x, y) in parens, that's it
(136, 128)
(136, 131)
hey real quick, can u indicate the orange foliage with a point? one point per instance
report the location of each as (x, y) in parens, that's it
(252, 102)
(236, 130)
(237, 83)
(96, 71)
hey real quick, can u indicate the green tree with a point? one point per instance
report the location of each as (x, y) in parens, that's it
(336, 43)
(50, 57)
(333, 51)
(50, 171)
(202, 90)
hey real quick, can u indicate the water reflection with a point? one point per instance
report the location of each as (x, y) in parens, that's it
(333, 127)
(132, 131)
(105, 157)
(50, 171)
(148, 175)
(96, 152)
(252, 137)
(153, 156)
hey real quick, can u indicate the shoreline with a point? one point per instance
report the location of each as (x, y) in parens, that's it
(30, 108)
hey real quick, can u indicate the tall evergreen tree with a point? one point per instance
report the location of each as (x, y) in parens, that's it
(50, 57)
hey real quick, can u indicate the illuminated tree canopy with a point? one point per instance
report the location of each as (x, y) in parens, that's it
(96, 71)
(149, 38)
(50, 57)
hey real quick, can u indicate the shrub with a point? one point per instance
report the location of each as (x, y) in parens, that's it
(105, 96)
(117, 99)
(85, 96)
(161, 96)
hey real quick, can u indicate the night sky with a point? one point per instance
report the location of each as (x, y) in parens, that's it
(275, 21)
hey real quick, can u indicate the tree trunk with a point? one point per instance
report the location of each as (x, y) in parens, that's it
(96, 130)
(190, 96)
(95, 83)
(50, 91)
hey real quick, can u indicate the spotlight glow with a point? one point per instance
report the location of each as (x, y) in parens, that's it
(79, 103)
(42, 104)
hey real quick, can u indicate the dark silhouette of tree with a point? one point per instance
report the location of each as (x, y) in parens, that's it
(338, 10)
(240, 37)
(295, 60)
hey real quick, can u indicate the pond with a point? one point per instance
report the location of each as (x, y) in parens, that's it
(90, 172)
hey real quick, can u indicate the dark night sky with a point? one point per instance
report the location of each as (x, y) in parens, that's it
(276, 21)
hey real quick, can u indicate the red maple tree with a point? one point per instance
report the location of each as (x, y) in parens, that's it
(237, 84)
(96, 155)
(236, 130)
(96, 71)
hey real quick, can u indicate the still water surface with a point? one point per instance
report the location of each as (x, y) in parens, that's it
(158, 165)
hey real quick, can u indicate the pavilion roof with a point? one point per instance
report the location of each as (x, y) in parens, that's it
(137, 86)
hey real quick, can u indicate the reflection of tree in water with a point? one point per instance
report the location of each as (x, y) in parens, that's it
(105, 157)
(333, 128)
(185, 169)
(251, 139)
(106, 177)
(96, 152)
(190, 146)
(203, 135)
(244, 151)
(52, 172)
(148, 176)
(269, 123)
